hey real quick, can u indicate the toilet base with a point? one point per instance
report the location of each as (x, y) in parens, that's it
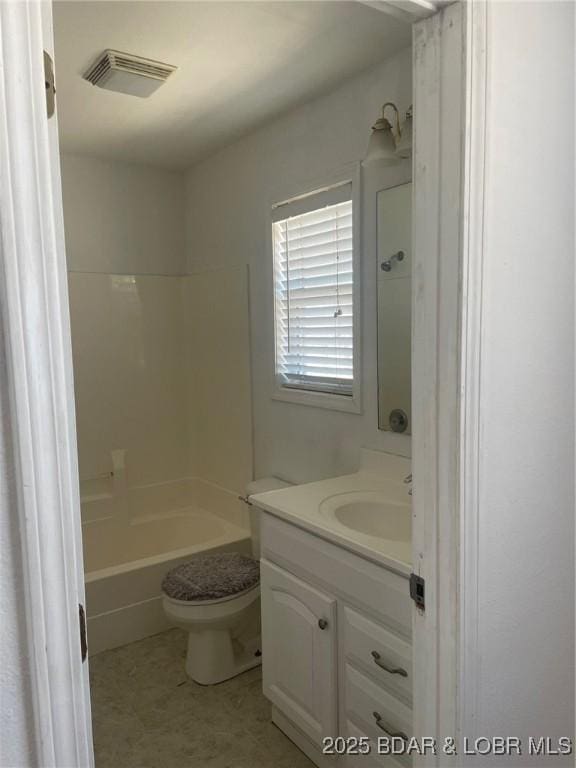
(223, 635)
(214, 656)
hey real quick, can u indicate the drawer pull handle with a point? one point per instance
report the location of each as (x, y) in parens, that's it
(392, 670)
(386, 728)
(322, 623)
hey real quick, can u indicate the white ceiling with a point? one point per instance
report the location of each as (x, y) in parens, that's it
(240, 65)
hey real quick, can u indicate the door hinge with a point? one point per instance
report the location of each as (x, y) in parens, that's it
(417, 585)
(83, 640)
(49, 85)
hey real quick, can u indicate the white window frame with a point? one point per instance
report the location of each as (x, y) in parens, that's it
(349, 174)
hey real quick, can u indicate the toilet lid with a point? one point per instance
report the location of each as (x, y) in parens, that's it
(212, 576)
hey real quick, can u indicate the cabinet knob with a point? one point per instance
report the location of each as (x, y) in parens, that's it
(322, 623)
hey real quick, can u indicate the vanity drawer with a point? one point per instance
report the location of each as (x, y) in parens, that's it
(385, 657)
(371, 760)
(372, 588)
(374, 710)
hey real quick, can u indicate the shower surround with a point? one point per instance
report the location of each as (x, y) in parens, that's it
(163, 409)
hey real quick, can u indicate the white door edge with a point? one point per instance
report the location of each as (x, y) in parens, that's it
(34, 303)
(470, 361)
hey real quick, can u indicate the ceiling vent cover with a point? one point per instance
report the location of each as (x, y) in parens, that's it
(125, 73)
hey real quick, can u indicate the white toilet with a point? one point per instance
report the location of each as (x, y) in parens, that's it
(216, 599)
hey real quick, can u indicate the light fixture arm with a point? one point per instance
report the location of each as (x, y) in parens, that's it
(395, 108)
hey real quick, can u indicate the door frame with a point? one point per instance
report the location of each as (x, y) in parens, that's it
(35, 319)
(438, 72)
(449, 93)
(450, 61)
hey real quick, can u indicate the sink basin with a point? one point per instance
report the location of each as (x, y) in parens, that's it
(370, 513)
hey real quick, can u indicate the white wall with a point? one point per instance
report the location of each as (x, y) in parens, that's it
(122, 218)
(127, 219)
(217, 342)
(228, 207)
(128, 344)
(125, 236)
(526, 544)
(162, 371)
(161, 361)
(16, 716)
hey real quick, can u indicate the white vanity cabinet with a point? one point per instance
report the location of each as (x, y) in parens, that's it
(299, 645)
(337, 656)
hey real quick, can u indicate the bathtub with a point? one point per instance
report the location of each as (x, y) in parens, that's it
(126, 555)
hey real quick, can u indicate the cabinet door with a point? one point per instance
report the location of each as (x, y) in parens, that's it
(299, 651)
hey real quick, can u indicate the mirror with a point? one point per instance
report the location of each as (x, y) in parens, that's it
(394, 281)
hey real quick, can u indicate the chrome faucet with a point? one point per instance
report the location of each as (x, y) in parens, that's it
(408, 481)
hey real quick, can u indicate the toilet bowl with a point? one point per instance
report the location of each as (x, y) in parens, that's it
(223, 634)
(216, 599)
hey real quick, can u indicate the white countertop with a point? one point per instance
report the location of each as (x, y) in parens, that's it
(301, 506)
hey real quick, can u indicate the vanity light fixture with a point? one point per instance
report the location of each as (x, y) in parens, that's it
(387, 144)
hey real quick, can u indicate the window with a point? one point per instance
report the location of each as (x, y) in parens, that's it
(313, 279)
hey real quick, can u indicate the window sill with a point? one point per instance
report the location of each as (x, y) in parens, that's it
(324, 400)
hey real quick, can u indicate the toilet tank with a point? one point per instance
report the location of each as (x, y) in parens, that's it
(260, 486)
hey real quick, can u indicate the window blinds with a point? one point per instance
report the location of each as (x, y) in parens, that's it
(313, 266)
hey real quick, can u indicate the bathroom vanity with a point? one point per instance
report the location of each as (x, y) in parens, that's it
(336, 612)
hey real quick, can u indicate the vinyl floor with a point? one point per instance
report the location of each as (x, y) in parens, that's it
(146, 713)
